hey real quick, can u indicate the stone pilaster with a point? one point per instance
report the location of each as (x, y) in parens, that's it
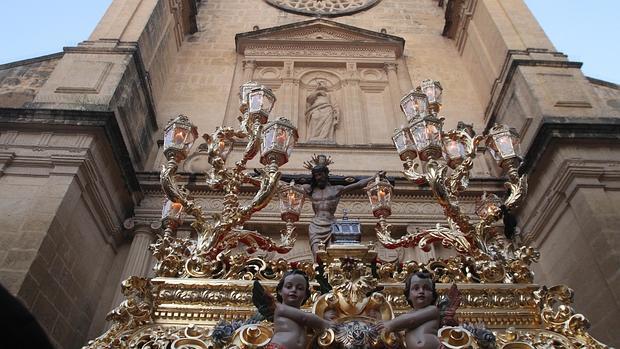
(139, 258)
(248, 70)
(390, 69)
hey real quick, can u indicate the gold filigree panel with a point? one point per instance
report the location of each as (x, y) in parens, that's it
(327, 8)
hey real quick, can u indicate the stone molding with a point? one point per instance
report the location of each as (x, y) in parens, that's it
(568, 179)
(318, 37)
(50, 119)
(77, 150)
(294, 50)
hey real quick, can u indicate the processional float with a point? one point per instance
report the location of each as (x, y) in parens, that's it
(201, 296)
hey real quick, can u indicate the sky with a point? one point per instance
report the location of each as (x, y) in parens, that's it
(587, 31)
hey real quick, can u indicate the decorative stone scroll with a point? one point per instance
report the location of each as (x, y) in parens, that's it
(327, 8)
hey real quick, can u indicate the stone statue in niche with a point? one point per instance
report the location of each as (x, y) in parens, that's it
(322, 115)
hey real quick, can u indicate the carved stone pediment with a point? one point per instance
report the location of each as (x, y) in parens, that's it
(318, 36)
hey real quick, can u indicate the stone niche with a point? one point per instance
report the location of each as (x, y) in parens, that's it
(340, 85)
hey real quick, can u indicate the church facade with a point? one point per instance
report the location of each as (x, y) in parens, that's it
(81, 136)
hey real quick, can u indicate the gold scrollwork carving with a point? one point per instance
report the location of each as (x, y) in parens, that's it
(557, 315)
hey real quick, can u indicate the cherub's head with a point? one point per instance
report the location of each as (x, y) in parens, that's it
(293, 289)
(420, 290)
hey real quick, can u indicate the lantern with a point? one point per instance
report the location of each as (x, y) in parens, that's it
(403, 140)
(380, 196)
(291, 202)
(244, 90)
(433, 90)
(414, 105)
(503, 143)
(279, 136)
(260, 102)
(488, 206)
(454, 151)
(426, 134)
(179, 135)
(172, 211)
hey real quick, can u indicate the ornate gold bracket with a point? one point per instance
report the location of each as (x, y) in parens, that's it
(558, 316)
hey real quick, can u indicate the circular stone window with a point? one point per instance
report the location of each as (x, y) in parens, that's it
(326, 8)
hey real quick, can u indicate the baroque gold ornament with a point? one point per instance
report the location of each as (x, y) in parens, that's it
(202, 296)
(220, 232)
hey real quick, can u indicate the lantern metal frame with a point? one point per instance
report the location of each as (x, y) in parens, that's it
(414, 112)
(259, 112)
(503, 144)
(218, 233)
(379, 193)
(433, 91)
(179, 150)
(405, 146)
(432, 145)
(272, 149)
(447, 178)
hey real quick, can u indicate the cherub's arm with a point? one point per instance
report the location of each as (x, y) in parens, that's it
(301, 317)
(362, 183)
(412, 319)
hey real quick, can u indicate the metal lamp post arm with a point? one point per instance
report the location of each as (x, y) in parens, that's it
(176, 193)
(459, 178)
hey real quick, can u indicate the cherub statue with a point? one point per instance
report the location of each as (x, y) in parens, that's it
(420, 324)
(290, 322)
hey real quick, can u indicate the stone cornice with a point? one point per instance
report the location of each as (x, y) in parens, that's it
(570, 176)
(515, 59)
(46, 119)
(301, 39)
(126, 48)
(569, 128)
(28, 61)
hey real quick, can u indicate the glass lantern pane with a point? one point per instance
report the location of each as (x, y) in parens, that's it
(245, 89)
(432, 134)
(407, 107)
(168, 138)
(256, 99)
(268, 140)
(420, 105)
(400, 142)
(451, 148)
(282, 138)
(504, 145)
(180, 134)
(430, 93)
(418, 132)
(291, 142)
(516, 145)
(383, 196)
(373, 197)
(267, 103)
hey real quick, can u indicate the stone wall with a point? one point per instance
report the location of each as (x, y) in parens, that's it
(206, 75)
(63, 201)
(20, 81)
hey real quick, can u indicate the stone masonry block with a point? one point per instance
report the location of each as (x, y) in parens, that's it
(45, 312)
(18, 260)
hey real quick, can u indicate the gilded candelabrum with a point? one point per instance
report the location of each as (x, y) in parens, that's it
(443, 161)
(491, 281)
(218, 233)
